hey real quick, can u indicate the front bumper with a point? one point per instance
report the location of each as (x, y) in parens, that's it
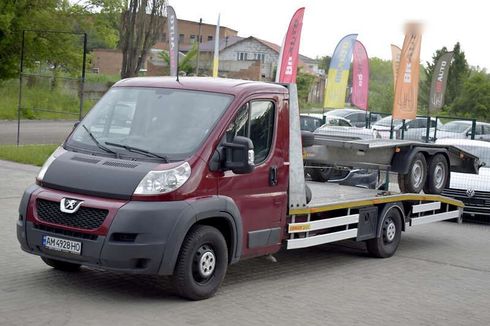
(135, 240)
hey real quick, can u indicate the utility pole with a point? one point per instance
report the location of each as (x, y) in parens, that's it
(198, 47)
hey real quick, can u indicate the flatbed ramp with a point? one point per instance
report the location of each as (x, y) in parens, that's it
(338, 212)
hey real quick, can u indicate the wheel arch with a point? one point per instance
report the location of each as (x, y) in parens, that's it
(385, 209)
(217, 211)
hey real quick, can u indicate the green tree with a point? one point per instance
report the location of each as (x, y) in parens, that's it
(304, 82)
(185, 62)
(324, 63)
(380, 85)
(458, 73)
(474, 99)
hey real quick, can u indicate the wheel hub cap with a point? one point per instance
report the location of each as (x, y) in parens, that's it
(439, 176)
(207, 263)
(417, 174)
(390, 231)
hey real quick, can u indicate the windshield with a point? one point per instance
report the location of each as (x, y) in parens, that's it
(169, 122)
(386, 122)
(456, 126)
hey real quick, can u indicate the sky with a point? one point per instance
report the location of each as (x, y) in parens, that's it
(378, 23)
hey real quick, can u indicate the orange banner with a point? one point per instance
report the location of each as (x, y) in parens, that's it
(396, 52)
(407, 81)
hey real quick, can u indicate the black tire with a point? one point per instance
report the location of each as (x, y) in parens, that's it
(414, 180)
(391, 231)
(61, 265)
(437, 175)
(203, 251)
(321, 174)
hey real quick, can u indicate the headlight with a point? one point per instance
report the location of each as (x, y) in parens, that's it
(58, 152)
(162, 182)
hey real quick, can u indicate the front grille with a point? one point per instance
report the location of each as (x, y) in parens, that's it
(85, 218)
(481, 198)
(66, 232)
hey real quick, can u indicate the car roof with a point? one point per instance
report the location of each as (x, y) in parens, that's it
(209, 84)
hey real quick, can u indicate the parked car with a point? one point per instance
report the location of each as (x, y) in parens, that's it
(310, 122)
(415, 129)
(356, 117)
(462, 129)
(472, 189)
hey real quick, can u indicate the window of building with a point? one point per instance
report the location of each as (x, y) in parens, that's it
(193, 38)
(255, 120)
(181, 38)
(242, 56)
(260, 56)
(210, 38)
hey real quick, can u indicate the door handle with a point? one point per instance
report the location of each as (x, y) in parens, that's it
(273, 176)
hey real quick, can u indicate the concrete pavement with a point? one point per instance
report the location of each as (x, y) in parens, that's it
(439, 276)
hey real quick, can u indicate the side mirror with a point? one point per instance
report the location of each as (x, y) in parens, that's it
(239, 155)
(76, 124)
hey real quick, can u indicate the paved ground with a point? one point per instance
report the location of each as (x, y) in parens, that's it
(440, 276)
(35, 132)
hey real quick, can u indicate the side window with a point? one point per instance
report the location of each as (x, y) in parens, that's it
(479, 130)
(255, 120)
(261, 128)
(486, 130)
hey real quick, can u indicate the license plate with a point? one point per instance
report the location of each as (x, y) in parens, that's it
(58, 244)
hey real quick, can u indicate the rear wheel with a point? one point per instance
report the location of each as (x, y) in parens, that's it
(386, 244)
(61, 265)
(438, 175)
(414, 180)
(202, 263)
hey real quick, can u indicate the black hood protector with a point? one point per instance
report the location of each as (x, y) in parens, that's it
(96, 175)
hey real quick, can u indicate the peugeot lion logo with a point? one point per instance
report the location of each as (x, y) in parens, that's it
(68, 205)
(470, 192)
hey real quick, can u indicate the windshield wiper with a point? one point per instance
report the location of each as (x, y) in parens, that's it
(138, 150)
(99, 145)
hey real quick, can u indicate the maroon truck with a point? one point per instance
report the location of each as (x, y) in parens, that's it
(186, 177)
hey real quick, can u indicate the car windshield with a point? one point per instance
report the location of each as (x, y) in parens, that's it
(456, 126)
(172, 123)
(386, 122)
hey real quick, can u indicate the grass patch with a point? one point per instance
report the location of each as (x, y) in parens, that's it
(27, 154)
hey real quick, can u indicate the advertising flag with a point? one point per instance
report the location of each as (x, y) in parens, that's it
(173, 41)
(407, 80)
(439, 81)
(338, 73)
(290, 51)
(395, 60)
(360, 76)
(216, 50)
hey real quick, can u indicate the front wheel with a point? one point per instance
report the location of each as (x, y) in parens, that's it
(202, 263)
(386, 244)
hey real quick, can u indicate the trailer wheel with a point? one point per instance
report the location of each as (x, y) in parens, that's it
(386, 244)
(321, 174)
(61, 265)
(438, 175)
(202, 263)
(414, 180)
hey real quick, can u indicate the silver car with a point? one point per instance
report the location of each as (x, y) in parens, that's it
(415, 129)
(462, 129)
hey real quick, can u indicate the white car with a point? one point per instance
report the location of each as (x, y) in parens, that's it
(472, 189)
(462, 129)
(415, 129)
